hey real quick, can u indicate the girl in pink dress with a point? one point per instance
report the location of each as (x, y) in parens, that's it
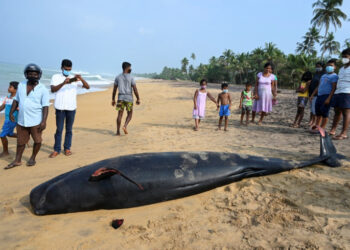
(264, 90)
(199, 100)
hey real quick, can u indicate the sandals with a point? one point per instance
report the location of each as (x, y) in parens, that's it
(12, 165)
(54, 154)
(340, 137)
(67, 152)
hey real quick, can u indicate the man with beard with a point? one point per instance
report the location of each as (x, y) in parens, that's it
(32, 99)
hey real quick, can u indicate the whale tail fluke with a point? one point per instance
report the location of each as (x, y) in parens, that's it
(328, 150)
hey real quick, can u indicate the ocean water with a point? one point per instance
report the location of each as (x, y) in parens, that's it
(14, 72)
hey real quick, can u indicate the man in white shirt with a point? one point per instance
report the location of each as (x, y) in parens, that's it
(342, 98)
(65, 88)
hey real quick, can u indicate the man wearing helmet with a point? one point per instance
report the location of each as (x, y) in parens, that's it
(32, 98)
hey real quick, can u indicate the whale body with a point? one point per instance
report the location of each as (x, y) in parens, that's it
(142, 179)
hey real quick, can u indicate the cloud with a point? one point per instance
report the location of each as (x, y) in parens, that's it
(145, 31)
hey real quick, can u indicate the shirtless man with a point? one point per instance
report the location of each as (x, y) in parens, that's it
(224, 100)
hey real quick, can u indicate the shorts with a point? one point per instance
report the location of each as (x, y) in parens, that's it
(121, 105)
(246, 108)
(313, 105)
(302, 102)
(321, 109)
(7, 128)
(23, 134)
(342, 101)
(225, 110)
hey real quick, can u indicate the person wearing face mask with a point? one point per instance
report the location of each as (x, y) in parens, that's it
(325, 92)
(126, 84)
(225, 102)
(64, 86)
(319, 71)
(342, 98)
(199, 101)
(32, 99)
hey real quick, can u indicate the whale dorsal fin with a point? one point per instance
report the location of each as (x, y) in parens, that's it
(104, 173)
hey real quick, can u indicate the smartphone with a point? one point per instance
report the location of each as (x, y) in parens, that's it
(74, 79)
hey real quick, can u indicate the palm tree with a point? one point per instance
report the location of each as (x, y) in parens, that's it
(308, 45)
(193, 56)
(328, 44)
(347, 43)
(326, 12)
(184, 63)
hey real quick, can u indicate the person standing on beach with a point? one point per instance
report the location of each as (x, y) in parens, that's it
(313, 85)
(246, 103)
(264, 92)
(325, 92)
(65, 89)
(126, 84)
(225, 102)
(303, 97)
(199, 103)
(33, 100)
(342, 98)
(9, 126)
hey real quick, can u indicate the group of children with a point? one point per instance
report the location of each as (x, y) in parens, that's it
(223, 103)
(326, 90)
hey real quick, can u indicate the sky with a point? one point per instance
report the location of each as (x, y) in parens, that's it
(99, 35)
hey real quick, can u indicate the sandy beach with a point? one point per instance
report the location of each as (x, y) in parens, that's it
(306, 208)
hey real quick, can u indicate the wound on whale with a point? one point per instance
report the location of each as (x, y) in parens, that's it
(142, 179)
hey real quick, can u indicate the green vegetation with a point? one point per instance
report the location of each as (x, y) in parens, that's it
(240, 68)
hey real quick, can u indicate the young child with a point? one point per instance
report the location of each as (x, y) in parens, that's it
(246, 102)
(224, 99)
(325, 91)
(9, 126)
(199, 100)
(303, 97)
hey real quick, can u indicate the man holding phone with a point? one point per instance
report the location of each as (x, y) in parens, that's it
(65, 88)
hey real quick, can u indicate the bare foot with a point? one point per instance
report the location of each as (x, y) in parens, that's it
(125, 131)
(259, 123)
(4, 154)
(117, 134)
(195, 129)
(226, 130)
(13, 164)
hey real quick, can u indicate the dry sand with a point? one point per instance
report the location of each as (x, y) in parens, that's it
(307, 208)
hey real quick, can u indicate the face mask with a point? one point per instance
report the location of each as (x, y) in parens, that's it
(129, 71)
(329, 69)
(225, 91)
(319, 69)
(66, 72)
(345, 60)
(203, 87)
(32, 79)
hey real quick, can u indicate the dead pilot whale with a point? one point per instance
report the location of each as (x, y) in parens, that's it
(141, 179)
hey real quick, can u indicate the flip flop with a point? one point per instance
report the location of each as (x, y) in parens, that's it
(12, 165)
(340, 137)
(31, 163)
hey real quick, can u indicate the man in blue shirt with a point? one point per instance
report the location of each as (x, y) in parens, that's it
(32, 98)
(325, 92)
